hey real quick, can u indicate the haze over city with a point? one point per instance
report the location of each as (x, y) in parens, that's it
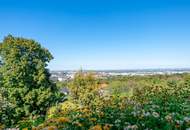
(104, 34)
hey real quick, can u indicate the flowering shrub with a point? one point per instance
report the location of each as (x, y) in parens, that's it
(153, 103)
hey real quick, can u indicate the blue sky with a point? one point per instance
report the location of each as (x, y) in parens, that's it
(104, 34)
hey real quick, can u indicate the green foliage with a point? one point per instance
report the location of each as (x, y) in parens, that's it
(25, 79)
(155, 102)
(124, 88)
(84, 88)
(28, 99)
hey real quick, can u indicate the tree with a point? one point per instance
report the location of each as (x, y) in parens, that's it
(25, 77)
(84, 88)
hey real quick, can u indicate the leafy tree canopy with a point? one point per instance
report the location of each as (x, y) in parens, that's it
(25, 77)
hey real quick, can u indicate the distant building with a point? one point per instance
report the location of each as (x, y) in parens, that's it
(64, 91)
(55, 79)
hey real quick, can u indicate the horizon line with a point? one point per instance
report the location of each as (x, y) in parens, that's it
(130, 69)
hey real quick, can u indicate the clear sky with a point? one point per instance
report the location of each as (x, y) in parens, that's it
(103, 34)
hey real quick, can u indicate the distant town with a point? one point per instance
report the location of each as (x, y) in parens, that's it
(69, 74)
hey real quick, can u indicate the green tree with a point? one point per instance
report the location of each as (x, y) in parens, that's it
(25, 77)
(84, 88)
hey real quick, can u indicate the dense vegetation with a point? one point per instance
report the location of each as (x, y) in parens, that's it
(26, 91)
(28, 99)
(137, 102)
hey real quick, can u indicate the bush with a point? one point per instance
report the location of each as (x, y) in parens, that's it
(159, 103)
